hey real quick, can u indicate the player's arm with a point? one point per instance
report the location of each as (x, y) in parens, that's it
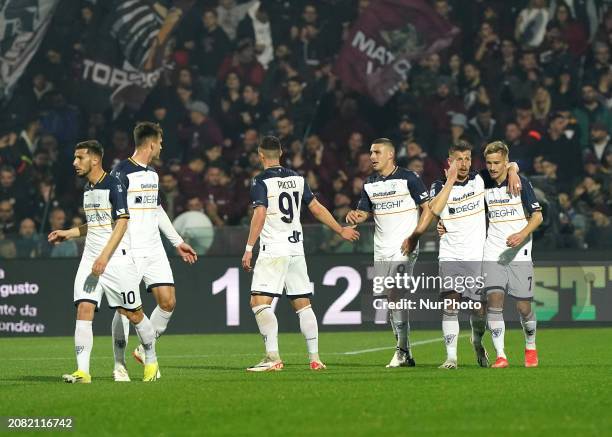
(323, 215)
(420, 195)
(514, 181)
(259, 201)
(121, 225)
(257, 224)
(531, 204)
(57, 237)
(362, 213)
(183, 249)
(438, 203)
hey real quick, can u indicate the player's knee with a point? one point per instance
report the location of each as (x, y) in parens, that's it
(85, 311)
(258, 299)
(135, 317)
(168, 304)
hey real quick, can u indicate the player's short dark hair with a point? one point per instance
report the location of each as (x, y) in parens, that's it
(270, 143)
(384, 141)
(146, 130)
(460, 146)
(92, 147)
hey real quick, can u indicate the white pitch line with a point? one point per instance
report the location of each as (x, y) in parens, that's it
(189, 356)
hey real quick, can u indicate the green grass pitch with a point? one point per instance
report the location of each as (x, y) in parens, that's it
(205, 389)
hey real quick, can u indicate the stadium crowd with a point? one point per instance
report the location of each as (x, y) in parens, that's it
(533, 73)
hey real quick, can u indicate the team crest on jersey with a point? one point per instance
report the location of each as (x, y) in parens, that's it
(119, 188)
(138, 199)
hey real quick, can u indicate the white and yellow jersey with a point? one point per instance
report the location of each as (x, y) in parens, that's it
(394, 201)
(507, 216)
(142, 185)
(103, 203)
(464, 218)
(282, 192)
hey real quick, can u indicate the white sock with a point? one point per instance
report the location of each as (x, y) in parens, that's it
(450, 331)
(146, 334)
(401, 327)
(529, 324)
(268, 327)
(120, 329)
(495, 318)
(160, 319)
(479, 325)
(83, 343)
(310, 330)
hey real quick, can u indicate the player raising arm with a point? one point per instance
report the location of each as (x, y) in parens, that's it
(107, 265)
(277, 195)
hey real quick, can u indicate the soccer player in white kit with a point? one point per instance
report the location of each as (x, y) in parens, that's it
(393, 195)
(277, 195)
(141, 183)
(459, 202)
(107, 266)
(507, 265)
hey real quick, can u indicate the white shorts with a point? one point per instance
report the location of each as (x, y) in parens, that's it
(155, 270)
(119, 282)
(391, 266)
(515, 278)
(462, 277)
(273, 275)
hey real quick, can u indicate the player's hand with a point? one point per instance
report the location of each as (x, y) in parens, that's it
(349, 233)
(57, 237)
(409, 244)
(187, 253)
(99, 265)
(515, 240)
(440, 228)
(246, 261)
(353, 217)
(452, 171)
(514, 184)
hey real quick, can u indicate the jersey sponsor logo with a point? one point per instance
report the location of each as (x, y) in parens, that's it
(295, 237)
(148, 186)
(384, 193)
(387, 205)
(98, 216)
(285, 185)
(502, 213)
(91, 205)
(464, 208)
(497, 201)
(466, 195)
(148, 199)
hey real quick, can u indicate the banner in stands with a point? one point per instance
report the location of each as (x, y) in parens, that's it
(23, 25)
(388, 36)
(129, 59)
(213, 296)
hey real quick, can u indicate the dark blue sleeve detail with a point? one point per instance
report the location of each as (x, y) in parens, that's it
(417, 188)
(259, 193)
(528, 197)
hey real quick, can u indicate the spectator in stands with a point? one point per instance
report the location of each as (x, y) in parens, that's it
(521, 152)
(28, 242)
(256, 27)
(244, 63)
(600, 233)
(28, 139)
(298, 108)
(590, 111)
(211, 46)
(120, 148)
(600, 144)
(171, 198)
(191, 176)
(430, 169)
(219, 198)
(483, 128)
(65, 249)
(8, 226)
(15, 193)
(286, 132)
(564, 151)
(572, 224)
(230, 14)
(202, 131)
(252, 109)
(7, 248)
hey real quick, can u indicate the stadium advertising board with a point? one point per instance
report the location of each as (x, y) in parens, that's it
(213, 296)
